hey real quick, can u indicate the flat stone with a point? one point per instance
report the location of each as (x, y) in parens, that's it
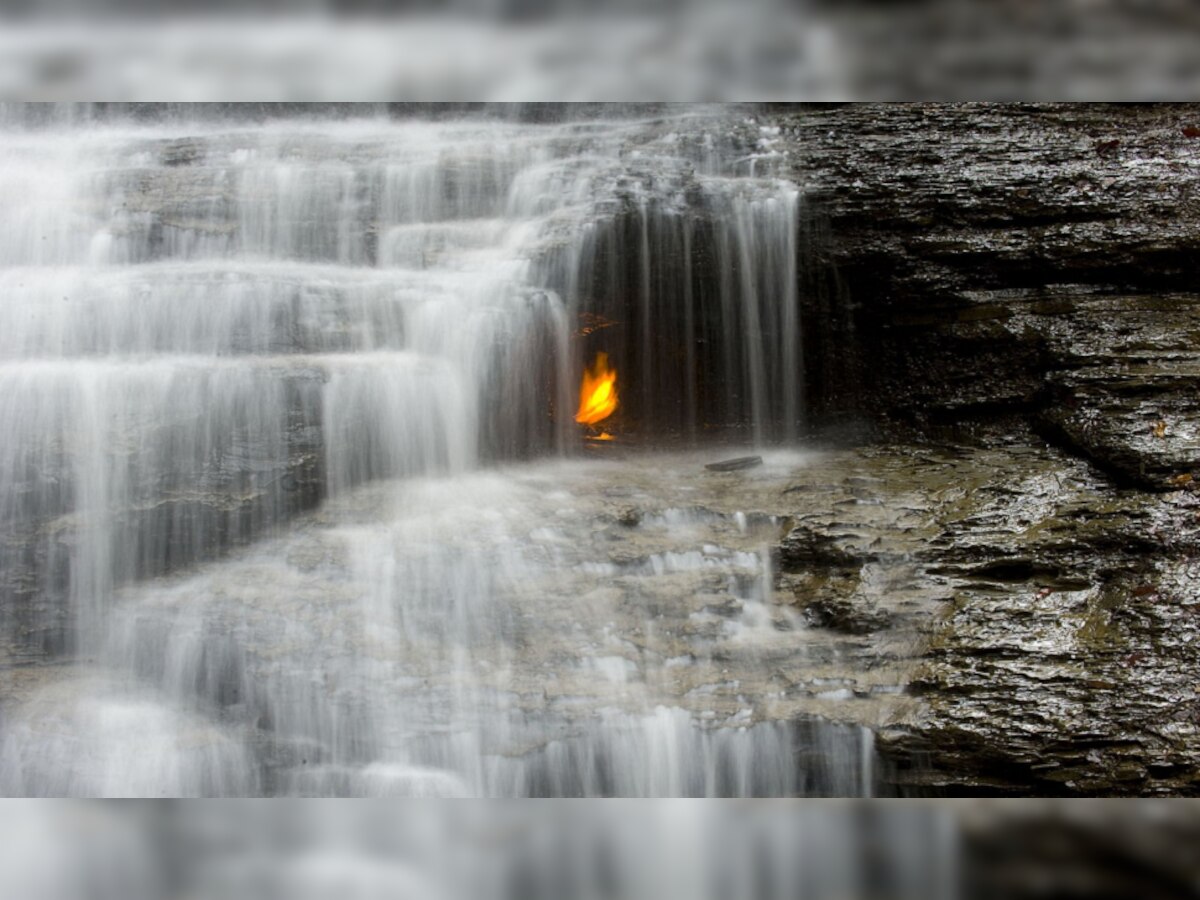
(735, 465)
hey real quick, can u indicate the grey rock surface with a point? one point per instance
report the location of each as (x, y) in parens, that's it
(1009, 273)
(996, 258)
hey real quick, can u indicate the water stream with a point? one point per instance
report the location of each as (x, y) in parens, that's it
(291, 497)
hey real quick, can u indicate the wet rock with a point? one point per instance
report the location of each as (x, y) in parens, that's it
(1083, 692)
(735, 465)
(805, 546)
(1126, 394)
(845, 616)
(1008, 273)
(630, 517)
(993, 264)
(182, 512)
(1052, 614)
(184, 152)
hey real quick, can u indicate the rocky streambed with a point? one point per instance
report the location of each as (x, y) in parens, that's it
(895, 618)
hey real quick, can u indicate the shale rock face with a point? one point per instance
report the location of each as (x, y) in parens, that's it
(1046, 619)
(1065, 661)
(1012, 275)
(1038, 259)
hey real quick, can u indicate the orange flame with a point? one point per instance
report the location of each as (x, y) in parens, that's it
(597, 393)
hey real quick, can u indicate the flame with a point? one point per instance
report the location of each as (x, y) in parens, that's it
(597, 393)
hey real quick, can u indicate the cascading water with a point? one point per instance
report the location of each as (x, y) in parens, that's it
(264, 528)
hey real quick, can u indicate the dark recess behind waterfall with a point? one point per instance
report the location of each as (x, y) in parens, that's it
(697, 389)
(954, 261)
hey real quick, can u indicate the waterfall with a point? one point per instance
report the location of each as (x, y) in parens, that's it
(698, 274)
(315, 348)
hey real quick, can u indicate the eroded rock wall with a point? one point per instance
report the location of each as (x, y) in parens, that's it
(1019, 278)
(1014, 259)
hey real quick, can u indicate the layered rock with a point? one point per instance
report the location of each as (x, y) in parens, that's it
(1014, 274)
(1012, 257)
(1041, 617)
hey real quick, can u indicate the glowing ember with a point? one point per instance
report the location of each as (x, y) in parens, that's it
(598, 392)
